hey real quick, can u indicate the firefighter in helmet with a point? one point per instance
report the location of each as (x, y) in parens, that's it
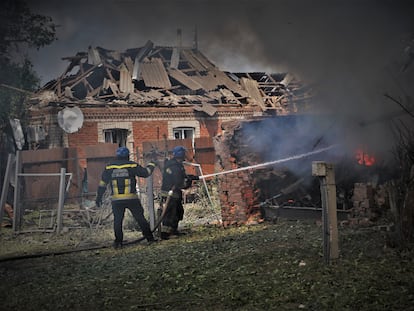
(121, 175)
(174, 180)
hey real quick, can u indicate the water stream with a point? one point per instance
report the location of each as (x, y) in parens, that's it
(294, 157)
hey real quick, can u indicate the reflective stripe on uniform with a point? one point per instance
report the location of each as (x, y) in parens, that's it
(127, 187)
(128, 196)
(114, 166)
(115, 186)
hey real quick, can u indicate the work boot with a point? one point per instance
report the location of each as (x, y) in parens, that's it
(165, 236)
(178, 233)
(149, 242)
(117, 245)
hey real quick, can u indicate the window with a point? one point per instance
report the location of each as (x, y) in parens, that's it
(116, 136)
(184, 133)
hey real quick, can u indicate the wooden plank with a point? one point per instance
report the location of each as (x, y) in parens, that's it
(252, 89)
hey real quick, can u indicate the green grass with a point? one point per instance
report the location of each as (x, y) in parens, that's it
(270, 266)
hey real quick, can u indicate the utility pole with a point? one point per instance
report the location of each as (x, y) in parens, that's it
(326, 175)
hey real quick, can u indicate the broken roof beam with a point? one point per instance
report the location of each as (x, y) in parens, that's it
(252, 88)
(139, 57)
(108, 84)
(75, 61)
(78, 78)
(94, 92)
(83, 76)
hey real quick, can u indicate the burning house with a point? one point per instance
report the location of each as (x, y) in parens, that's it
(265, 171)
(156, 97)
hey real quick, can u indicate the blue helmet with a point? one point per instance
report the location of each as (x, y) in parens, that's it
(122, 152)
(179, 152)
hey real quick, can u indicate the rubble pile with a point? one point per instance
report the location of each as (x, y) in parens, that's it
(244, 193)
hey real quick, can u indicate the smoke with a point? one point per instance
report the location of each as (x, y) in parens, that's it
(288, 136)
(350, 51)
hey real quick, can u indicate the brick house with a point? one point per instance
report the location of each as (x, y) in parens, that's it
(153, 96)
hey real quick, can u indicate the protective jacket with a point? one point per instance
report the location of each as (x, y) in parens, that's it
(174, 178)
(121, 176)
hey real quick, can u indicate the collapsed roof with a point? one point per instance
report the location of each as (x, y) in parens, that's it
(166, 76)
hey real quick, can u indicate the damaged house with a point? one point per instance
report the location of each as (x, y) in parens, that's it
(150, 97)
(153, 98)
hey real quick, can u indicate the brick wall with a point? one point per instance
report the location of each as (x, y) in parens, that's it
(149, 131)
(238, 196)
(86, 136)
(210, 128)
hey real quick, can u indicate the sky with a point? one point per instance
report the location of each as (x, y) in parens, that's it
(352, 52)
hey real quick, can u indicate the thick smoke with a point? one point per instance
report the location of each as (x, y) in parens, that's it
(352, 52)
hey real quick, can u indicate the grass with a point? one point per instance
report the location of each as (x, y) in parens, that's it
(269, 266)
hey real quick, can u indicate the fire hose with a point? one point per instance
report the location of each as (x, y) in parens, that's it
(160, 218)
(89, 248)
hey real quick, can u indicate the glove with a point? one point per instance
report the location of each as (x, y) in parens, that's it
(193, 177)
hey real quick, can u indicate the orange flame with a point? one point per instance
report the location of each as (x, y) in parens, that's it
(364, 158)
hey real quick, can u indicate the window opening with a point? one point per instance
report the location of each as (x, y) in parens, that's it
(116, 136)
(184, 133)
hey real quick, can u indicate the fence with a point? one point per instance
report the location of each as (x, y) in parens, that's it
(52, 190)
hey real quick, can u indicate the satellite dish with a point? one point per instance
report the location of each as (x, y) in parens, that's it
(70, 119)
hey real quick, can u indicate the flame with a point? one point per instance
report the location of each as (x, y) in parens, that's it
(364, 158)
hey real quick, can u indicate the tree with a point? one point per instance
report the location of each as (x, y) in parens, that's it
(401, 188)
(19, 27)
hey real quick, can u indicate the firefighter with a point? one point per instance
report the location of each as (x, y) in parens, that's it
(174, 180)
(121, 176)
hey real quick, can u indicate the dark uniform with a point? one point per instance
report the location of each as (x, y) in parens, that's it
(121, 176)
(174, 180)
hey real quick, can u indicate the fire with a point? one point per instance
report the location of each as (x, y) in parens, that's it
(364, 158)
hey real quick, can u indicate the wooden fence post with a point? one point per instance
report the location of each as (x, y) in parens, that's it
(326, 175)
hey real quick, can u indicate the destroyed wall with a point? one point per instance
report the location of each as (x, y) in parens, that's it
(238, 196)
(246, 186)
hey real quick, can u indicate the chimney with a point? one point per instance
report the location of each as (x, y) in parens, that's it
(179, 38)
(195, 43)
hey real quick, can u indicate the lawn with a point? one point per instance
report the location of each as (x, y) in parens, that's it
(268, 266)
